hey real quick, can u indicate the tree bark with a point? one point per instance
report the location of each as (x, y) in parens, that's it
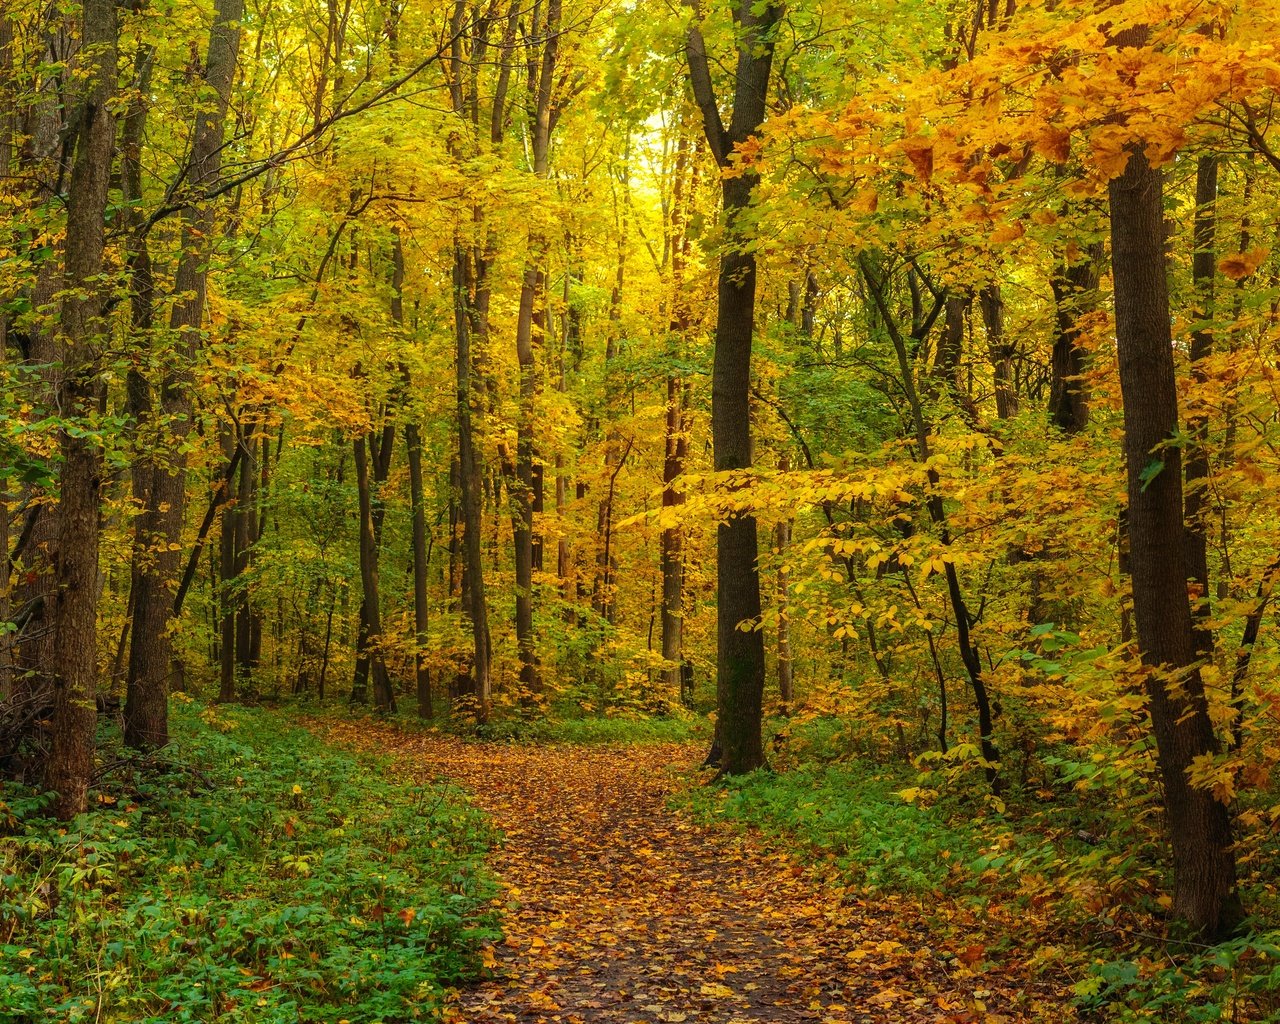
(1196, 494)
(1204, 884)
(1000, 351)
(676, 440)
(157, 547)
(470, 493)
(383, 698)
(1075, 291)
(81, 324)
(413, 446)
(740, 664)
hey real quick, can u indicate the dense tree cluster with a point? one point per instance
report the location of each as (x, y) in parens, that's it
(910, 366)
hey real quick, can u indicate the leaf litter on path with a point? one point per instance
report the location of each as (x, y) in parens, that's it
(618, 909)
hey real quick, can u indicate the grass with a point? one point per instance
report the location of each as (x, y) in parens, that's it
(564, 727)
(252, 874)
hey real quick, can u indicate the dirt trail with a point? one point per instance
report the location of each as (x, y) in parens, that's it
(623, 910)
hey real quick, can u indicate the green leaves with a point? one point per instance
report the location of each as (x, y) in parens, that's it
(1150, 471)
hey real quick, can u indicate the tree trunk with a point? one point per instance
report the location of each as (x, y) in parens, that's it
(672, 557)
(383, 698)
(1075, 291)
(81, 323)
(1196, 496)
(520, 489)
(227, 557)
(1001, 352)
(413, 446)
(782, 541)
(421, 611)
(739, 643)
(245, 529)
(1204, 885)
(157, 550)
(676, 441)
(470, 492)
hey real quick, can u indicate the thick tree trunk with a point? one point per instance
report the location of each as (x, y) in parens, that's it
(740, 663)
(42, 161)
(76, 569)
(1204, 886)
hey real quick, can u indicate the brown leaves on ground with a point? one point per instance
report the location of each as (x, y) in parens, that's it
(619, 909)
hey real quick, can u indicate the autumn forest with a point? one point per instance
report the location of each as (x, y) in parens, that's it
(626, 510)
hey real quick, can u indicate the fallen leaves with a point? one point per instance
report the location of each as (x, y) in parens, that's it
(619, 910)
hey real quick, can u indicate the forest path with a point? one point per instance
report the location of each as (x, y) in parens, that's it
(621, 910)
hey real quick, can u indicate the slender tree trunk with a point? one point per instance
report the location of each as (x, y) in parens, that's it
(782, 541)
(81, 324)
(1196, 494)
(1204, 885)
(8, 126)
(157, 550)
(470, 493)
(1075, 291)
(676, 441)
(383, 697)
(228, 601)
(672, 557)
(1001, 352)
(245, 530)
(521, 488)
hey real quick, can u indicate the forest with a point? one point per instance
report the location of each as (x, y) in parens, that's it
(624, 510)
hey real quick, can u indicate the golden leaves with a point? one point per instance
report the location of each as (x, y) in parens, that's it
(627, 912)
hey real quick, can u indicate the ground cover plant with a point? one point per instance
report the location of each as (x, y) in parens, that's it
(249, 874)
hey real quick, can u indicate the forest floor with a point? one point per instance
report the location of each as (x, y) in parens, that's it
(620, 909)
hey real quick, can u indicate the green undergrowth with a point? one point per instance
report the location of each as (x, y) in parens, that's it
(1072, 863)
(513, 727)
(249, 873)
(596, 729)
(850, 817)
